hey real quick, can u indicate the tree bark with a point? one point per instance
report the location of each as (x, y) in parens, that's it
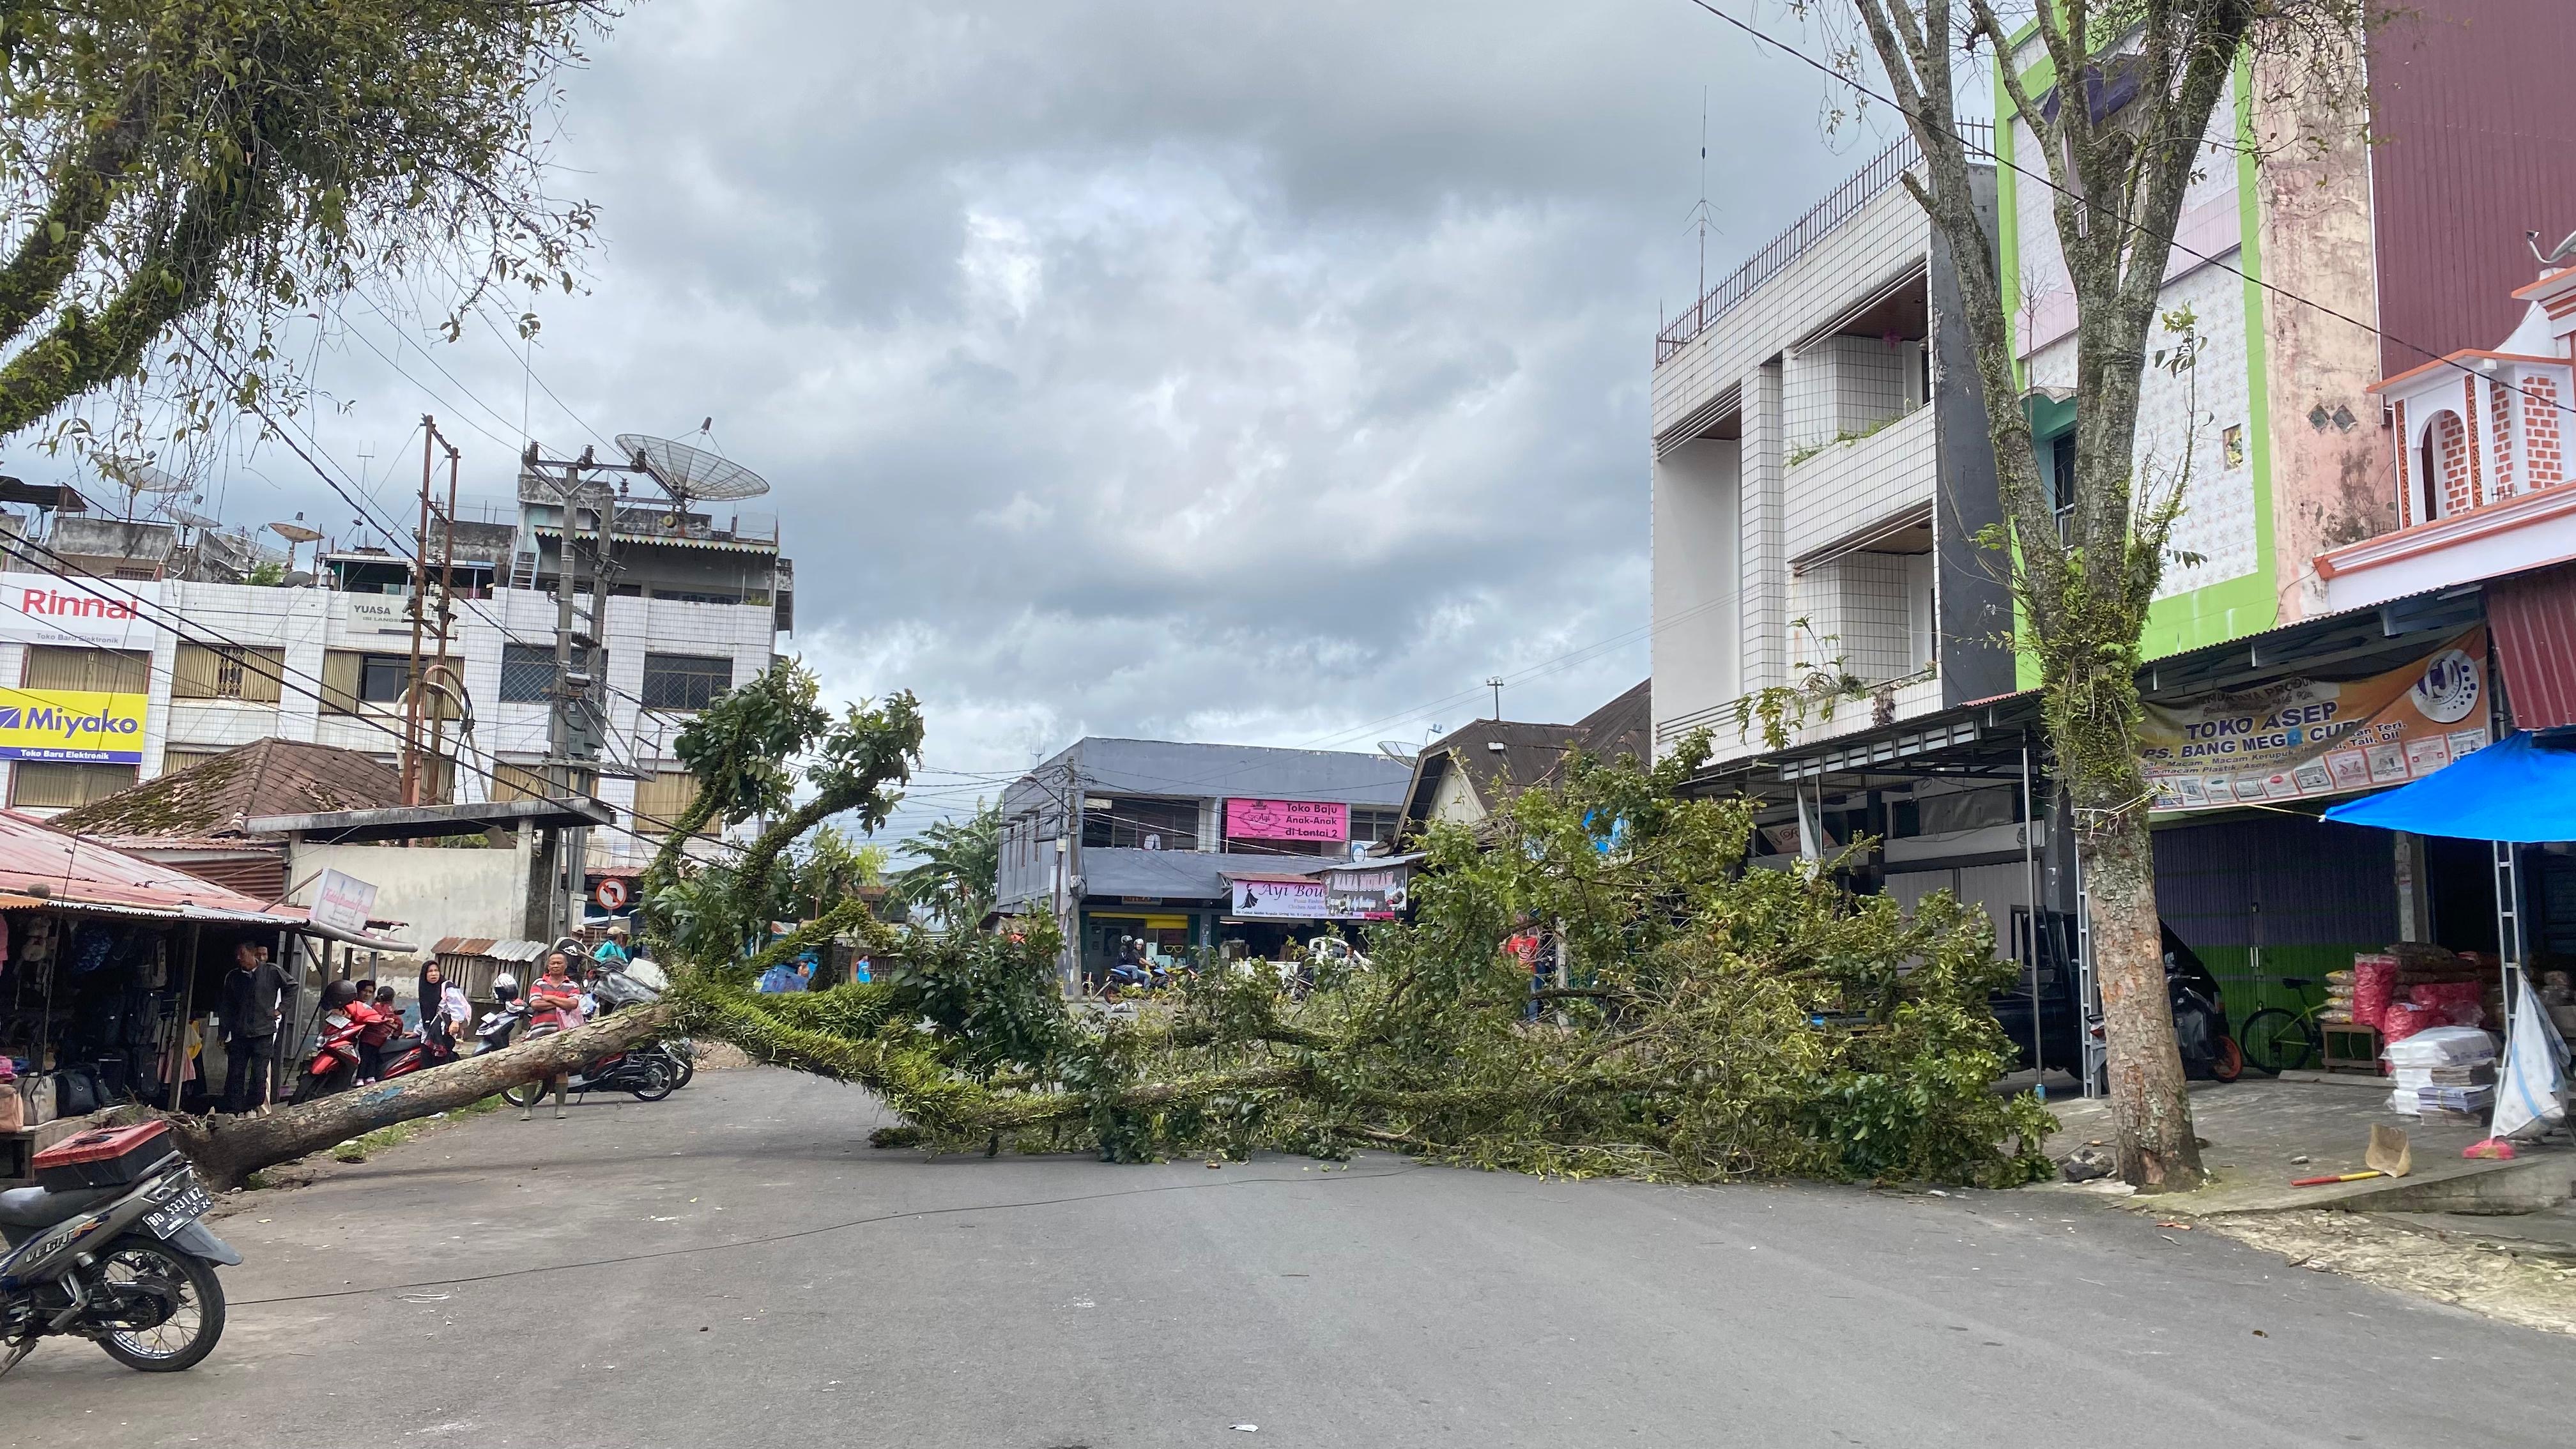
(227, 1150)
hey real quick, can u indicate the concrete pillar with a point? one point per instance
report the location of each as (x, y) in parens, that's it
(1765, 609)
(2414, 891)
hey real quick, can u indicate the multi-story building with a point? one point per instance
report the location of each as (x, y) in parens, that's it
(1158, 840)
(1821, 473)
(101, 692)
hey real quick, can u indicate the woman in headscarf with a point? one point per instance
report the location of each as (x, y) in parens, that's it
(444, 1011)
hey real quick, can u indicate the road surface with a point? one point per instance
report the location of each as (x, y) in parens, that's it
(736, 1267)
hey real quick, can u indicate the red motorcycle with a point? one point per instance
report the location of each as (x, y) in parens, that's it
(334, 1067)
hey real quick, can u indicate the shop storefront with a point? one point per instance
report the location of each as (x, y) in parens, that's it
(111, 973)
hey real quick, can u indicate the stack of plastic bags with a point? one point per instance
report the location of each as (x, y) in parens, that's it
(2443, 1071)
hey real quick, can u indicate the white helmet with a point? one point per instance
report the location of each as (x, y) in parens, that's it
(505, 981)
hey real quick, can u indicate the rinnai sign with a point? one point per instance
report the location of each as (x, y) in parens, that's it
(1287, 820)
(35, 609)
(74, 725)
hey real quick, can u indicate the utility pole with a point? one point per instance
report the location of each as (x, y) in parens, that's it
(575, 725)
(1496, 685)
(432, 609)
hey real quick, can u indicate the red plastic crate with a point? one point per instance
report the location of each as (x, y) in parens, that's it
(103, 1157)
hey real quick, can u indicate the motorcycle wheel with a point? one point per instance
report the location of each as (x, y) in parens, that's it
(335, 1080)
(656, 1083)
(524, 1095)
(2228, 1062)
(683, 1057)
(196, 1321)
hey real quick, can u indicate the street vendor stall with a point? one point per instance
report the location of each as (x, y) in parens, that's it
(2520, 795)
(111, 969)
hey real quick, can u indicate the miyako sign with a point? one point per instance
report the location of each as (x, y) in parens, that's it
(41, 609)
(2299, 738)
(80, 725)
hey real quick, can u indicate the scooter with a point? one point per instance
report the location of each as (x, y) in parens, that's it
(108, 1248)
(645, 1073)
(334, 1067)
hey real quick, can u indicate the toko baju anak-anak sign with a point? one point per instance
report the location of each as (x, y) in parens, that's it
(2300, 738)
(1287, 820)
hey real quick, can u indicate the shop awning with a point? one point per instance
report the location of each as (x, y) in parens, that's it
(2521, 788)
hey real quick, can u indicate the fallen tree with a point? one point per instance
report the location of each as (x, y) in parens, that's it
(1720, 1016)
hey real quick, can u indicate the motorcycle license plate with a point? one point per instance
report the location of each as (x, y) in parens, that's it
(165, 1222)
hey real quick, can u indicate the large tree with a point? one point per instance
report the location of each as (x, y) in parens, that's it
(2116, 164)
(182, 179)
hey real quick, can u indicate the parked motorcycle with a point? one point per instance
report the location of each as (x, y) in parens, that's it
(334, 1065)
(646, 1074)
(107, 1247)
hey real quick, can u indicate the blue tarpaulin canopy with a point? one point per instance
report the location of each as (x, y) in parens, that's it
(2521, 788)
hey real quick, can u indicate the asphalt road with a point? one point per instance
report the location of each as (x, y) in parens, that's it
(736, 1267)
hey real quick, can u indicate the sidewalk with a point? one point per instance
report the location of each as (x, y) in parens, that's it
(2262, 1133)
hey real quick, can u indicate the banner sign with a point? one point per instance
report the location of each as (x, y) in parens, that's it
(78, 725)
(1365, 895)
(1293, 900)
(2299, 738)
(1287, 820)
(41, 609)
(343, 903)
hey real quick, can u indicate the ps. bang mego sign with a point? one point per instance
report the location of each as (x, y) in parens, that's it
(2303, 738)
(78, 725)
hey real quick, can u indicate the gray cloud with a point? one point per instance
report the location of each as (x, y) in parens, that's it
(1222, 371)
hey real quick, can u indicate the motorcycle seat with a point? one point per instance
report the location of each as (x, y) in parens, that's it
(399, 1045)
(36, 1207)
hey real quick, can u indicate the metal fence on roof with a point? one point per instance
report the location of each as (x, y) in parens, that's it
(1862, 188)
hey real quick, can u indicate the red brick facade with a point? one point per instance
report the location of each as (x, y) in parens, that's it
(2456, 450)
(2542, 464)
(2476, 492)
(2500, 431)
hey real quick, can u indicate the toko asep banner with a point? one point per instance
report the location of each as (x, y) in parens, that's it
(78, 725)
(2300, 738)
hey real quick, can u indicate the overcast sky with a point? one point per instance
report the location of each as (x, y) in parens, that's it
(1210, 371)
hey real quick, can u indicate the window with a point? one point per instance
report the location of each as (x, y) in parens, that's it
(2061, 471)
(105, 671)
(685, 681)
(1963, 810)
(662, 799)
(527, 672)
(351, 680)
(1143, 824)
(175, 758)
(46, 785)
(227, 671)
(1372, 824)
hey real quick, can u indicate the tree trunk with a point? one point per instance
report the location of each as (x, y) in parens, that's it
(227, 1150)
(2149, 1111)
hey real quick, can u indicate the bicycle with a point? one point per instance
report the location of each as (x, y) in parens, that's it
(2278, 1040)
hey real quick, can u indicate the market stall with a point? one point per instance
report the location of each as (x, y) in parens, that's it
(111, 971)
(2519, 796)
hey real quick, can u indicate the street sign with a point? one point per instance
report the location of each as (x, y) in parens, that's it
(610, 893)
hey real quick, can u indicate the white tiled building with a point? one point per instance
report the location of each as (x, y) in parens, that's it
(328, 665)
(1820, 472)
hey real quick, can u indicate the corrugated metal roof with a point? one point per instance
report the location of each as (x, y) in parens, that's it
(2534, 619)
(36, 860)
(212, 797)
(1257, 772)
(499, 949)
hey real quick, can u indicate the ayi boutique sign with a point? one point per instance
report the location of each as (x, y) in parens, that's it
(2303, 738)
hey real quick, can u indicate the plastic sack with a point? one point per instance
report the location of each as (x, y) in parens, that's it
(2374, 980)
(2443, 1046)
(2532, 1084)
(2403, 1019)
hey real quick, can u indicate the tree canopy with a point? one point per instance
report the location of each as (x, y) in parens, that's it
(182, 178)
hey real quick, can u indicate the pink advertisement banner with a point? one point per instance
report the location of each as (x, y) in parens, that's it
(1287, 820)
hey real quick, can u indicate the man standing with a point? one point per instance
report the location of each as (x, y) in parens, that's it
(251, 993)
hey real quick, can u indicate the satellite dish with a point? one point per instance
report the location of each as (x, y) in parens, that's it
(295, 532)
(686, 472)
(190, 518)
(138, 478)
(1399, 751)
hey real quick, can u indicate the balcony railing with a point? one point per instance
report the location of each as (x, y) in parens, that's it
(1837, 207)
